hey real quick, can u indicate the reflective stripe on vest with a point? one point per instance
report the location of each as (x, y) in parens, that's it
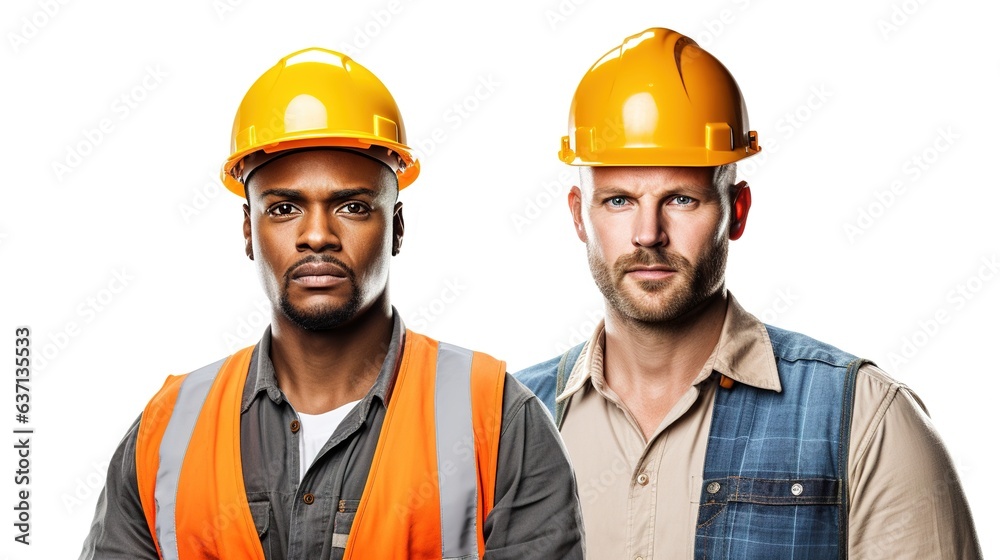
(432, 502)
(464, 414)
(188, 471)
(173, 447)
(453, 420)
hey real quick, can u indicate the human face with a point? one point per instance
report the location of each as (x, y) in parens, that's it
(322, 225)
(657, 238)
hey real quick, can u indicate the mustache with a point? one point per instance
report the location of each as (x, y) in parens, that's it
(650, 257)
(318, 259)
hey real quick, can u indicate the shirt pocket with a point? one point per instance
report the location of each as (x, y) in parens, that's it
(261, 513)
(343, 519)
(776, 511)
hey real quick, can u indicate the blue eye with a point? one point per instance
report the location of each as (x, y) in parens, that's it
(617, 201)
(683, 200)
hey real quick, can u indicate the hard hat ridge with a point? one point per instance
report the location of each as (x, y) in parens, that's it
(658, 99)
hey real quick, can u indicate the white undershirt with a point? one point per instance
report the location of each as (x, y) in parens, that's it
(315, 430)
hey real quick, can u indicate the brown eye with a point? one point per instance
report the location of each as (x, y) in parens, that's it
(355, 208)
(282, 209)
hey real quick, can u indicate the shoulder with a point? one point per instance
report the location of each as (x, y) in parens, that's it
(518, 400)
(905, 493)
(792, 346)
(543, 379)
(540, 375)
(880, 381)
(880, 401)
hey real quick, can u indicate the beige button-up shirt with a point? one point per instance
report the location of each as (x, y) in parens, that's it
(640, 498)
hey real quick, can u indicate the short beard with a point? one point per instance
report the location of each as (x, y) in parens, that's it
(693, 284)
(325, 317)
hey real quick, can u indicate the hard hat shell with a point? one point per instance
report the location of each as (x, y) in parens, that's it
(318, 98)
(658, 99)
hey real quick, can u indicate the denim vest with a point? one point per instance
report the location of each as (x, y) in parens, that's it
(775, 478)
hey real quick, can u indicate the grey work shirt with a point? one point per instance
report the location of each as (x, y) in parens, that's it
(536, 512)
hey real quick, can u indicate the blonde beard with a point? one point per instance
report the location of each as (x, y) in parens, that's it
(692, 284)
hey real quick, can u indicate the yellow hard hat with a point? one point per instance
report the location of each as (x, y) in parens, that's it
(658, 99)
(318, 98)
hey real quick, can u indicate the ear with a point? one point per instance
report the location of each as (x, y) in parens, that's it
(740, 210)
(397, 228)
(246, 231)
(575, 200)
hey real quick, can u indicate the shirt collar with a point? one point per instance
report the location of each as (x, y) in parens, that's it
(261, 377)
(743, 354)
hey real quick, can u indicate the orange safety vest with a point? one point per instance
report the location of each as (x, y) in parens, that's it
(429, 490)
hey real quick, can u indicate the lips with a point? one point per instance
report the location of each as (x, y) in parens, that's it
(318, 274)
(318, 269)
(656, 268)
(651, 273)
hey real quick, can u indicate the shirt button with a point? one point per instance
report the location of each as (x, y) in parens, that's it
(308, 499)
(294, 426)
(713, 487)
(796, 489)
(642, 479)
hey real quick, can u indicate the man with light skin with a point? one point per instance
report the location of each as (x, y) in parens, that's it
(695, 430)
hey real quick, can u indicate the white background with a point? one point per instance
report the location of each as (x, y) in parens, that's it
(869, 85)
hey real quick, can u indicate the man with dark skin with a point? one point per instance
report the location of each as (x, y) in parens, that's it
(321, 225)
(354, 436)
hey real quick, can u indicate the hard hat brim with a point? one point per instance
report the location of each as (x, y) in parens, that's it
(659, 157)
(405, 175)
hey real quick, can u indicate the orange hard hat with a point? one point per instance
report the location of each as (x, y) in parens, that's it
(658, 99)
(318, 98)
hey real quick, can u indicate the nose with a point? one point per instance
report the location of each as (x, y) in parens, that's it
(317, 232)
(649, 228)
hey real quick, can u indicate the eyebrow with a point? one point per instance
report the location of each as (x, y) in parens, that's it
(336, 195)
(605, 190)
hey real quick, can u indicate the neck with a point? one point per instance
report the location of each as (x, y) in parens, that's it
(321, 370)
(662, 358)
